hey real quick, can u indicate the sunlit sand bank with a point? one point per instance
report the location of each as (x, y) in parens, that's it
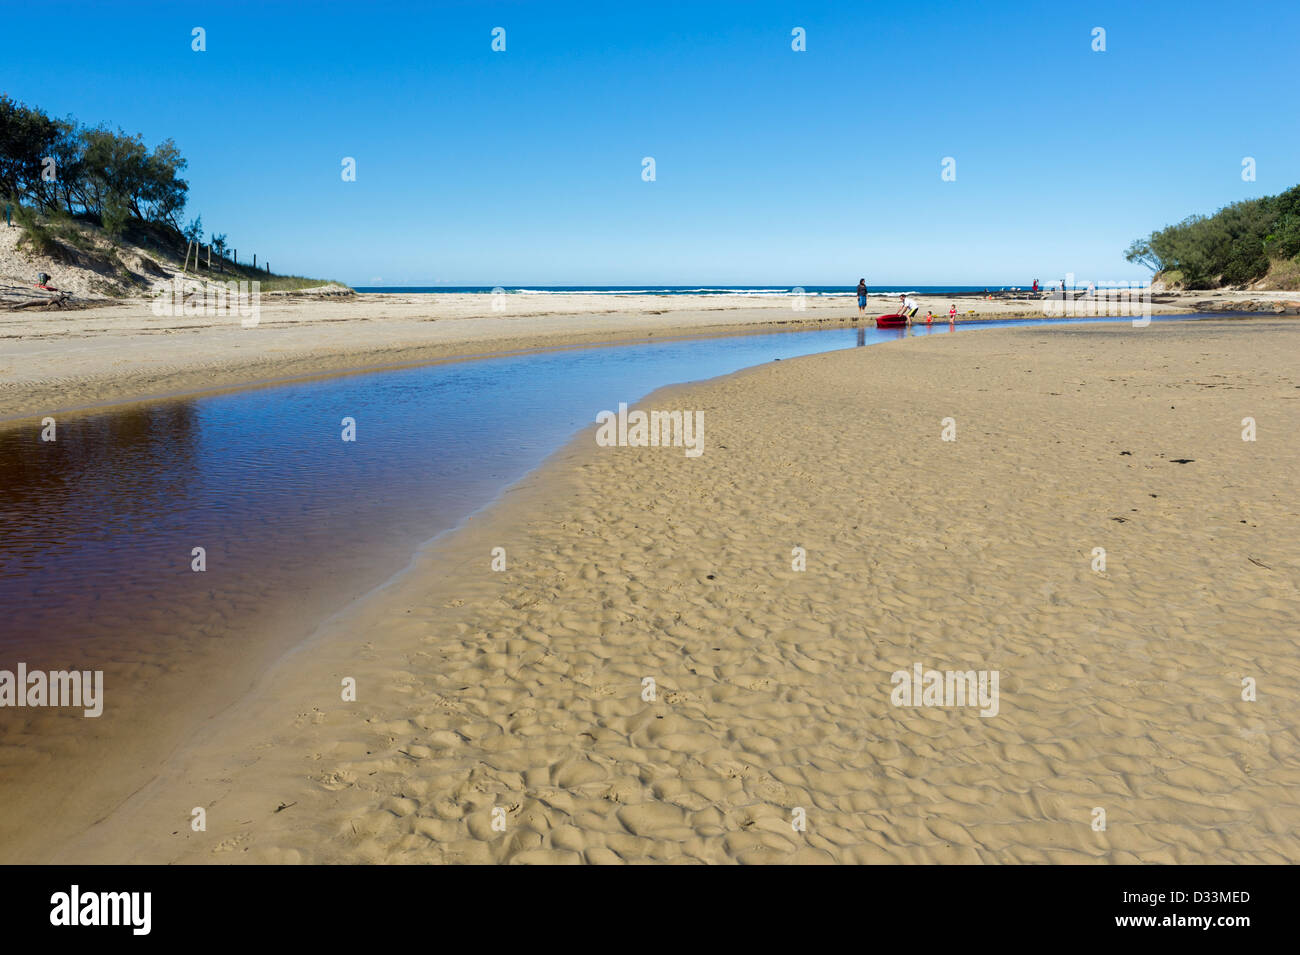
(827, 539)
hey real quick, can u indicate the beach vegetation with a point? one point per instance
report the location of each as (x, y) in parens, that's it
(65, 182)
(1239, 244)
(59, 164)
(38, 238)
(292, 283)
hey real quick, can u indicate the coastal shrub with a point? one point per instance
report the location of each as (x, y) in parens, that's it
(114, 215)
(1284, 274)
(1284, 241)
(36, 237)
(1235, 246)
(66, 229)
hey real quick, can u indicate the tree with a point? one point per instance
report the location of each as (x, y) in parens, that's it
(67, 154)
(1140, 251)
(163, 192)
(114, 215)
(1234, 246)
(93, 168)
(27, 137)
(219, 245)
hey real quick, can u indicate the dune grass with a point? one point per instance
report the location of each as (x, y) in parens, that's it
(60, 236)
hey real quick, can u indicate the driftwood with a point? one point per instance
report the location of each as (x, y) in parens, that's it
(17, 305)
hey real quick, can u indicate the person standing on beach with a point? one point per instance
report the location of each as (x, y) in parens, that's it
(862, 296)
(910, 308)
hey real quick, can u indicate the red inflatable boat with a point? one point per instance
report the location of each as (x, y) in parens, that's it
(891, 321)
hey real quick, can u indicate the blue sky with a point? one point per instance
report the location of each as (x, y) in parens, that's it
(772, 166)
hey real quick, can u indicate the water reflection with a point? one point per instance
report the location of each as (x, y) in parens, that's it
(91, 484)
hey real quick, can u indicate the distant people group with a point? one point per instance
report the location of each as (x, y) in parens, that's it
(908, 307)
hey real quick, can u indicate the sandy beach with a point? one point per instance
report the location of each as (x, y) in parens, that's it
(53, 362)
(449, 436)
(518, 696)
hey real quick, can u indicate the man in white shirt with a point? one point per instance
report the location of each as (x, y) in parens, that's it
(909, 307)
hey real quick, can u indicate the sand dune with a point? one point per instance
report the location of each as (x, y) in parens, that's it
(521, 690)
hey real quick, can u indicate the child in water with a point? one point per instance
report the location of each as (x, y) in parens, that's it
(952, 314)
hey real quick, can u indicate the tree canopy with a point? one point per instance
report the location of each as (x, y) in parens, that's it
(1234, 246)
(60, 164)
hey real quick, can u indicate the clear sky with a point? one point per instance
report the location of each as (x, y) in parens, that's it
(773, 167)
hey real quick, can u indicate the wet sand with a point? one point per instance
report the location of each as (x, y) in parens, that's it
(522, 690)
